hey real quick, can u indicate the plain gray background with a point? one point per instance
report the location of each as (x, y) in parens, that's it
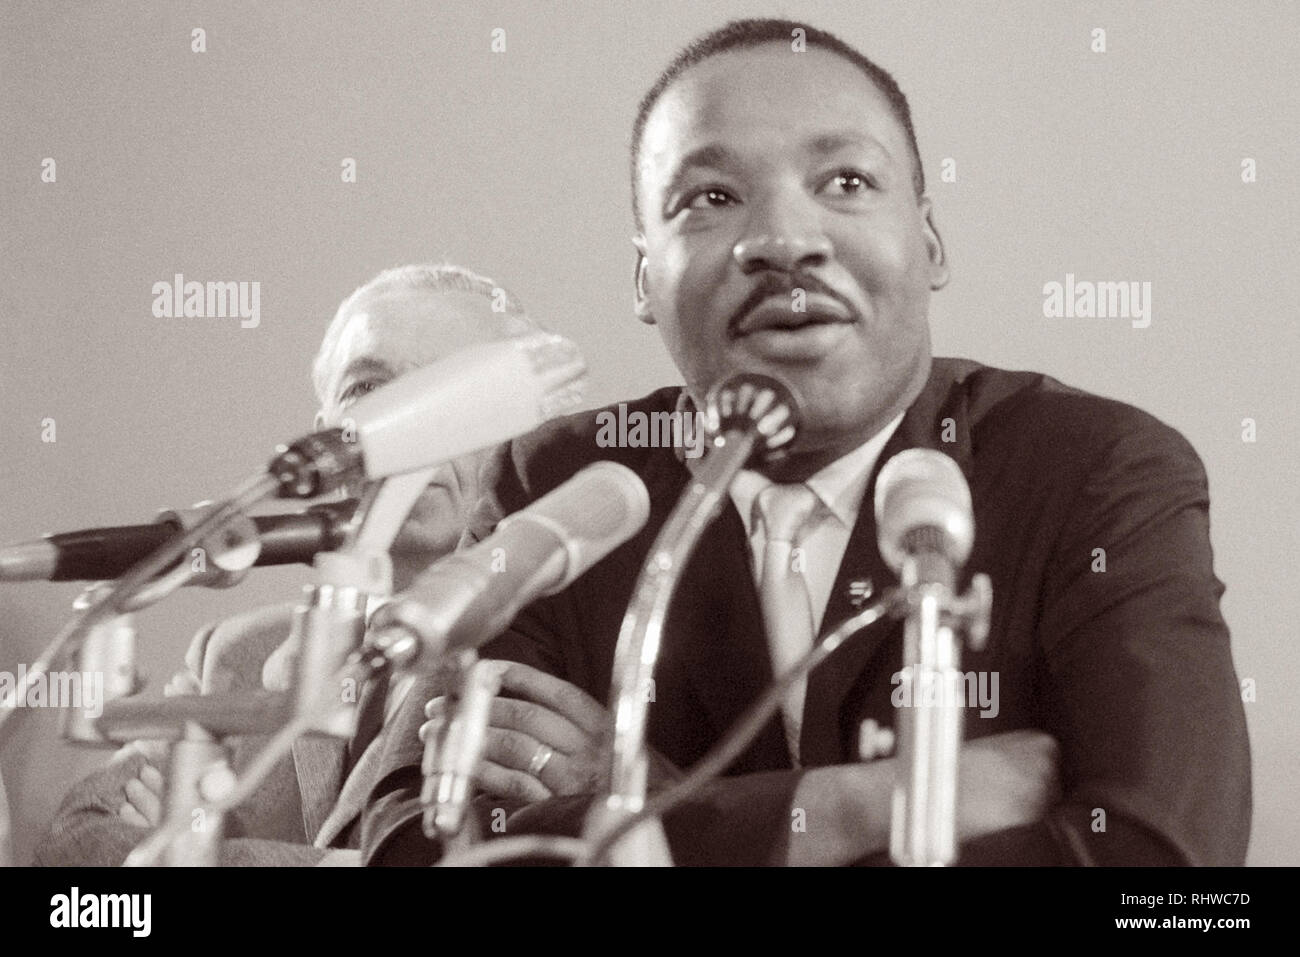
(225, 165)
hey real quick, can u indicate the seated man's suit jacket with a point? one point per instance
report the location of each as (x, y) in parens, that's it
(1128, 668)
(278, 825)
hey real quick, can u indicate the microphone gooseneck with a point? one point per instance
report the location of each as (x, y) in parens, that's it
(753, 418)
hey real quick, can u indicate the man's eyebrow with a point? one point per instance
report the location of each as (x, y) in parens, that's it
(711, 155)
(833, 142)
(364, 365)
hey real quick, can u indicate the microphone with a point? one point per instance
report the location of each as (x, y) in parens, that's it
(99, 554)
(754, 419)
(924, 520)
(475, 398)
(926, 528)
(469, 597)
(455, 741)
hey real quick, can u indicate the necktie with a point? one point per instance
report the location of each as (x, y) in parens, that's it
(370, 719)
(784, 511)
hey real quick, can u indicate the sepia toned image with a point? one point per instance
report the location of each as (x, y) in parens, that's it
(643, 434)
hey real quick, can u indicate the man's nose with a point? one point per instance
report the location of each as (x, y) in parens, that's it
(782, 236)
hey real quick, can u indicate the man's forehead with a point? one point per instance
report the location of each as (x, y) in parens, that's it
(413, 325)
(750, 98)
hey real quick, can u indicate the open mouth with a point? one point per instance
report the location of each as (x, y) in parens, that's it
(778, 314)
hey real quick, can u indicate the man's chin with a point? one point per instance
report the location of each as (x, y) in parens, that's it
(840, 397)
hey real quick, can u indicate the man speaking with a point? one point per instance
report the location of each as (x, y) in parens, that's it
(784, 228)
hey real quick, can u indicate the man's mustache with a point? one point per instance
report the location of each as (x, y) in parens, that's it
(771, 284)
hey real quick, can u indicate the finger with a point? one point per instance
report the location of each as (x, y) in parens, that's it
(182, 683)
(544, 724)
(434, 706)
(145, 801)
(560, 773)
(508, 783)
(133, 817)
(152, 778)
(561, 696)
(511, 749)
(153, 752)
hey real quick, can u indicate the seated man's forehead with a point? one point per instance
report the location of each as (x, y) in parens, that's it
(425, 314)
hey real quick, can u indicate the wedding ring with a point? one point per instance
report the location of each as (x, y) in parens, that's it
(541, 756)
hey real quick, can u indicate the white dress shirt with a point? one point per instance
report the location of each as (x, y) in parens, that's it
(839, 488)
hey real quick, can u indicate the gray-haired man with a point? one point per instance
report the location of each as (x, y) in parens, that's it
(400, 320)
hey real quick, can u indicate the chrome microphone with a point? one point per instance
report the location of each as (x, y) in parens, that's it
(926, 528)
(469, 597)
(924, 519)
(454, 743)
(470, 400)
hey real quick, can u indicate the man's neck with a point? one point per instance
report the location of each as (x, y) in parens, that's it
(804, 462)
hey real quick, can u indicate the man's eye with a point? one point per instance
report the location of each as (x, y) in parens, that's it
(709, 199)
(848, 182)
(357, 389)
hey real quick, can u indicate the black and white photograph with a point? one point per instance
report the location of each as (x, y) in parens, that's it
(650, 434)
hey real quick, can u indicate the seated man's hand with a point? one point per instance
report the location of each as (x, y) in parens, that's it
(549, 740)
(181, 683)
(144, 792)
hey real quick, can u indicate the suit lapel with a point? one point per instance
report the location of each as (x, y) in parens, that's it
(318, 760)
(829, 734)
(352, 797)
(364, 775)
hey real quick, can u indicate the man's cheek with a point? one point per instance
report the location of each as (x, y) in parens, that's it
(878, 259)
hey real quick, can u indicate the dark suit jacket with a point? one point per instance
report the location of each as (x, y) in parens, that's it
(1128, 668)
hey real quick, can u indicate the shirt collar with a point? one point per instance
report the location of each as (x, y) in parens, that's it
(839, 486)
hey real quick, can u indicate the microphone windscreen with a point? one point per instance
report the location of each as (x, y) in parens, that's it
(923, 489)
(473, 399)
(592, 513)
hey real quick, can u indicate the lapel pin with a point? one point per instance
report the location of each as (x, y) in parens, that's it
(874, 741)
(860, 589)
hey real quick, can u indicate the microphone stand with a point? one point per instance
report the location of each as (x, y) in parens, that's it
(924, 807)
(752, 416)
(329, 627)
(223, 558)
(117, 597)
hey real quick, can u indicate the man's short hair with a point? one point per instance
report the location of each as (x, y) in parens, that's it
(743, 34)
(433, 277)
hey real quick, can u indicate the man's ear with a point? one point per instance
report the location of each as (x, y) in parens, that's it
(934, 245)
(640, 295)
